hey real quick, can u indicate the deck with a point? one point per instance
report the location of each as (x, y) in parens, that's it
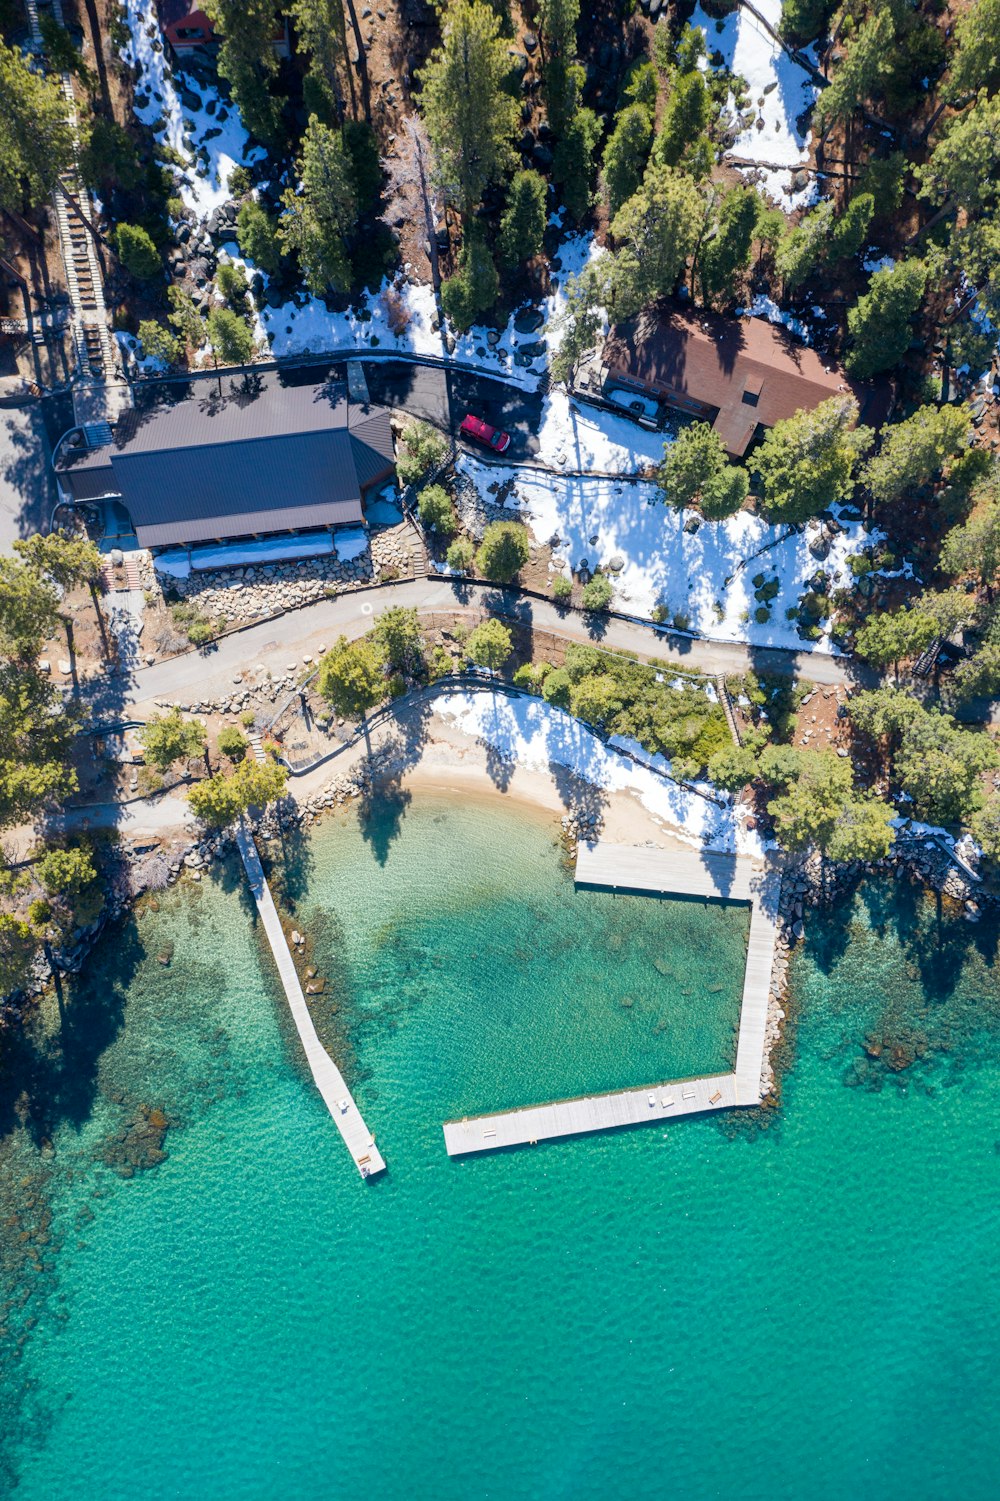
(680, 872)
(328, 1078)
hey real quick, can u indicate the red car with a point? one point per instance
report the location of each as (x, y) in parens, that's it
(492, 437)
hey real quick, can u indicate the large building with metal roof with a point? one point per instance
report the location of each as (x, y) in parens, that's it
(236, 457)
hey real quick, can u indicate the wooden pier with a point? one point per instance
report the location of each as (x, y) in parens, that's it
(329, 1080)
(680, 872)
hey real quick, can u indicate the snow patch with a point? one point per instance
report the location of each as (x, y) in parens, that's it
(350, 543)
(766, 307)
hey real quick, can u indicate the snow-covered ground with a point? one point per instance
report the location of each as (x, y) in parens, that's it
(215, 128)
(600, 520)
(537, 736)
(784, 87)
(573, 435)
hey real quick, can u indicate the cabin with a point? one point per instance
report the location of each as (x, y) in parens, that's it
(185, 28)
(742, 375)
(250, 458)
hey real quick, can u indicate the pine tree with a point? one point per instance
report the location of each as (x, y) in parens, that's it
(625, 155)
(894, 637)
(257, 236)
(470, 117)
(696, 468)
(807, 462)
(158, 343)
(974, 547)
(490, 645)
(574, 333)
(728, 251)
(170, 737)
(573, 164)
(964, 167)
(562, 76)
(247, 61)
(975, 62)
(230, 337)
(655, 232)
(685, 119)
(320, 215)
(475, 286)
(914, 451)
(36, 142)
(880, 322)
(522, 226)
(185, 317)
(800, 249)
(351, 678)
(137, 252)
(850, 230)
(28, 610)
(503, 551)
(320, 31)
(869, 59)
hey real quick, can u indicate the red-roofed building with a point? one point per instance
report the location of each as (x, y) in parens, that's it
(739, 374)
(185, 27)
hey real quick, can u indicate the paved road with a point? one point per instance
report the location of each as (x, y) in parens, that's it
(277, 644)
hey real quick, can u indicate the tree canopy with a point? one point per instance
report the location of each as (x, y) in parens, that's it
(351, 678)
(36, 140)
(696, 470)
(808, 461)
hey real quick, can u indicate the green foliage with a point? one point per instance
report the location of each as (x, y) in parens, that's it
(880, 321)
(695, 468)
(850, 230)
(578, 326)
(461, 555)
(522, 225)
(964, 167)
(800, 249)
(975, 58)
(856, 77)
(816, 805)
(219, 800)
(562, 76)
(807, 462)
(239, 182)
(939, 765)
(733, 767)
(233, 743)
(503, 551)
(685, 119)
(230, 336)
(436, 511)
(557, 687)
(623, 697)
(573, 163)
(65, 872)
(397, 636)
(979, 675)
(655, 232)
(185, 317)
(421, 448)
(727, 252)
(231, 281)
(246, 60)
(28, 605)
(137, 252)
(257, 236)
(167, 738)
(596, 595)
(158, 343)
(36, 732)
(562, 589)
(361, 143)
(36, 141)
(642, 85)
(984, 826)
(65, 558)
(17, 949)
(884, 178)
(489, 645)
(913, 452)
(974, 547)
(109, 157)
(895, 637)
(803, 21)
(351, 677)
(470, 117)
(626, 153)
(473, 289)
(321, 210)
(321, 36)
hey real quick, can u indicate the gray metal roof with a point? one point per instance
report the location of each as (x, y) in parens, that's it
(235, 456)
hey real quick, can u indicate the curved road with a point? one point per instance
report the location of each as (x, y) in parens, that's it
(276, 644)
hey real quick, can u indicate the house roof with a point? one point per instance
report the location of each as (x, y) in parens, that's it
(201, 459)
(750, 371)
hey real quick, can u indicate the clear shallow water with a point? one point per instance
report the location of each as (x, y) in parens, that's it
(715, 1310)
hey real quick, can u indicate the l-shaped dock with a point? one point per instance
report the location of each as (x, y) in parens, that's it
(679, 872)
(328, 1078)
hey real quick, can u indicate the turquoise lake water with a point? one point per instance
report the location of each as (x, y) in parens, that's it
(799, 1307)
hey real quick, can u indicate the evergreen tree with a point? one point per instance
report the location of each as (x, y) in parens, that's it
(939, 765)
(655, 232)
(734, 767)
(320, 215)
(220, 800)
(66, 872)
(625, 155)
(880, 322)
(247, 60)
(436, 511)
(321, 36)
(807, 462)
(170, 737)
(522, 226)
(503, 551)
(728, 251)
(257, 236)
(862, 831)
(230, 337)
(850, 230)
(685, 119)
(36, 732)
(696, 468)
(351, 678)
(857, 76)
(979, 675)
(800, 249)
(109, 158)
(28, 610)
(575, 331)
(895, 637)
(984, 826)
(974, 547)
(66, 558)
(562, 76)
(975, 60)
(803, 21)
(470, 117)
(475, 286)
(36, 141)
(185, 317)
(397, 635)
(361, 144)
(158, 343)
(573, 164)
(490, 645)
(914, 451)
(964, 167)
(231, 281)
(813, 788)
(137, 252)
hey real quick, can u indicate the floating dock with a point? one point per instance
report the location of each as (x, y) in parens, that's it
(680, 872)
(329, 1080)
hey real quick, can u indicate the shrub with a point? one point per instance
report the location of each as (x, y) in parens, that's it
(421, 449)
(504, 551)
(158, 343)
(230, 336)
(239, 182)
(437, 512)
(562, 589)
(658, 614)
(248, 719)
(39, 912)
(137, 252)
(231, 281)
(461, 555)
(233, 743)
(597, 594)
(490, 644)
(200, 631)
(532, 675)
(257, 236)
(557, 687)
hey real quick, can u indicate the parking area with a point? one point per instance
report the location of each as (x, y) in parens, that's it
(27, 488)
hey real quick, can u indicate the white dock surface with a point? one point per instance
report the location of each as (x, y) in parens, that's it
(678, 872)
(329, 1080)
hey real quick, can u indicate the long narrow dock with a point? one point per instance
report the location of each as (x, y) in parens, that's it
(679, 873)
(329, 1080)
